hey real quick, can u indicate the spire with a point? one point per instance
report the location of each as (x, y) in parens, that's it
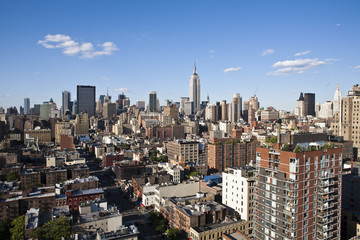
(301, 98)
(337, 86)
(194, 66)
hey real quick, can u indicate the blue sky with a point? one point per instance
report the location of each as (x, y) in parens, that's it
(142, 46)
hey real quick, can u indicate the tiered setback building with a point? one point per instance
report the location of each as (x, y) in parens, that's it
(298, 194)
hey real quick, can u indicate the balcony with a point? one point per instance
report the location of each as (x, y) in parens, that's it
(325, 220)
(326, 190)
(325, 206)
(327, 176)
(325, 214)
(326, 198)
(326, 227)
(326, 183)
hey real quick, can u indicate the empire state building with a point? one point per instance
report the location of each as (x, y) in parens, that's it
(195, 91)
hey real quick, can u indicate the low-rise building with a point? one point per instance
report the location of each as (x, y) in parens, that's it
(219, 230)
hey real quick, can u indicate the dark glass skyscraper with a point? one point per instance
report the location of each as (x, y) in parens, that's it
(152, 102)
(86, 99)
(309, 99)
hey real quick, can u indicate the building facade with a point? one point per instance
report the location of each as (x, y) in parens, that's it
(298, 193)
(86, 100)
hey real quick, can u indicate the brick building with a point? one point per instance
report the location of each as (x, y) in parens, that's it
(304, 185)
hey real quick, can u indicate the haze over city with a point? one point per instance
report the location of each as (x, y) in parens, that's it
(274, 49)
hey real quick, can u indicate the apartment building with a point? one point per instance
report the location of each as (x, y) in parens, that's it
(298, 192)
(181, 152)
(238, 190)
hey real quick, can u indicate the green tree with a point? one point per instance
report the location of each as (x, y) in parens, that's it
(298, 149)
(194, 173)
(18, 228)
(163, 158)
(176, 234)
(5, 226)
(273, 139)
(12, 176)
(286, 147)
(53, 230)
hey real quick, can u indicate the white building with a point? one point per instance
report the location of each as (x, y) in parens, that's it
(149, 195)
(237, 191)
(175, 171)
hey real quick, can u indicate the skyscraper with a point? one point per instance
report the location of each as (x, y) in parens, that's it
(195, 90)
(140, 104)
(26, 106)
(86, 99)
(309, 99)
(337, 100)
(235, 108)
(152, 102)
(66, 102)
(300, 106)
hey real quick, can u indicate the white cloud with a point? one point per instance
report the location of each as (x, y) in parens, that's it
(122, 90)
(105, 78)
(338, 25)
(295, 66)
(232, 69)
(357, 68)
(211, 51)
(267, 52)
(302, 53)
(71, 48)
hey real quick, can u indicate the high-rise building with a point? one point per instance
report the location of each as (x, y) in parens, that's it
(26, 106)
(194, 95)
(152, 102)
(346, 121)
(235, 108)
(109, 110)
(224, 110)
(225, 153)
(238, 190)
(121, 99)
(86, 99)
(140, 104)
(337, 100)
(298, 192)
(183, 100)
(309, 100)
(300, 106)
(66, 102)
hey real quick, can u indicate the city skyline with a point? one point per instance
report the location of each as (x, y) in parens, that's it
(268, 49)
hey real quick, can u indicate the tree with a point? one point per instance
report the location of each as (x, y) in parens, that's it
(286, 147)
(53, 230)
(163, 158)
(5, 226)
(176, 234)
(298, 149)
(12, 176)
(18, 228)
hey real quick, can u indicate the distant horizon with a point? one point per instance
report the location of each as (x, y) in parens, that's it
(273, 50)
